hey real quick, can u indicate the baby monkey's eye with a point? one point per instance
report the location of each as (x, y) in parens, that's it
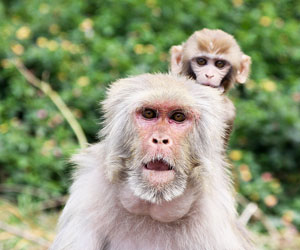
(149, 113)
(201, 61)
(178, 116)
(220, 63)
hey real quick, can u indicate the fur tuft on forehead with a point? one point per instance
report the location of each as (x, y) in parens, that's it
(135, 92)
(213, 42)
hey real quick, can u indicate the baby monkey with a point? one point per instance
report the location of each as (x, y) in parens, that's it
(212, 58)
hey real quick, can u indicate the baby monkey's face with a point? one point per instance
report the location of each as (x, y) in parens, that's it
(212, 58)
(210, 70)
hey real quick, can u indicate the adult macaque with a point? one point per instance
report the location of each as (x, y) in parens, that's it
(158, 180)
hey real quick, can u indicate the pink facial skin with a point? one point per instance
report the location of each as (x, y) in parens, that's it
(161, 137)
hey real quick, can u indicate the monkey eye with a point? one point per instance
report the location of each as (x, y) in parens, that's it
(178, 116)
(149, 113)
(201, 61)
(220, 63)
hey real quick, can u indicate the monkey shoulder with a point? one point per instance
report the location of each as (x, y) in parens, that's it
(89, 173)
(229, 109)
(88, 159)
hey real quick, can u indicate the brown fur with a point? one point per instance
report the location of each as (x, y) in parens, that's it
(220, 44)
(214, 42)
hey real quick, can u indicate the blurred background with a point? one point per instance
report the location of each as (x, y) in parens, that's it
(58, 57)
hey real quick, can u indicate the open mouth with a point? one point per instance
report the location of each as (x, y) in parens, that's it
(158, 165)
(158, 172)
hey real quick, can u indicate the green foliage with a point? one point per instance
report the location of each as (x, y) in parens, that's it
(81, 46)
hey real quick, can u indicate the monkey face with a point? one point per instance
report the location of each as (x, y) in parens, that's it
(158, 129)
(210, 71)
(160, 170)
(212, 58)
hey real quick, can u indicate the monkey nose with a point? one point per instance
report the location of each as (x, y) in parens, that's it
(209, 76)
(163, 140)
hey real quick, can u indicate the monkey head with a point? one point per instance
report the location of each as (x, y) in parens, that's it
(157, 130)
(212, 58)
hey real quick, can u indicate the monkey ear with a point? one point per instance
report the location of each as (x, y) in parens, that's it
(244, 69)
(176, 59)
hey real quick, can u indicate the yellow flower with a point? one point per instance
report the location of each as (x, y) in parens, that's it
(245, 173)
(87, 24)
(52, 45)
(74, 48)
(288, 216)
(66, 44)
(250, 84)
(3, 128)
(18, 49)
(235, 155)
(5, 63)
(42, 42)
(139, 49)
(269, 86)
(265, 21)
(15, 122)
(23, 33)
(83, 81)
(237, 3)
(47, 147)
(270, 200)
(149, 48)
(54, 29)
(254, 196)
(275, 185)
(50, 143)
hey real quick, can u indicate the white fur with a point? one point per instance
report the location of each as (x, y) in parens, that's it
(103, 213)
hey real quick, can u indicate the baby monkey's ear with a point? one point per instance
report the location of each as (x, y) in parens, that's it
(244, 70)
(176, 59)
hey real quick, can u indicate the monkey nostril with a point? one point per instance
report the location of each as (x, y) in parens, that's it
(165, 141)
(155, 141)
(209, 76)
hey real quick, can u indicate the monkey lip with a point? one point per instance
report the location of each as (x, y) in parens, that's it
(158, 165)
(158, 173)
(209, 84)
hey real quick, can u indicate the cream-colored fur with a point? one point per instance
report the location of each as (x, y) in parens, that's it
(103, 211)
(213, 43)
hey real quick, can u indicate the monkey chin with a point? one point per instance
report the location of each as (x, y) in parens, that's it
(158, 173)
(157, 181)
(220, 87)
